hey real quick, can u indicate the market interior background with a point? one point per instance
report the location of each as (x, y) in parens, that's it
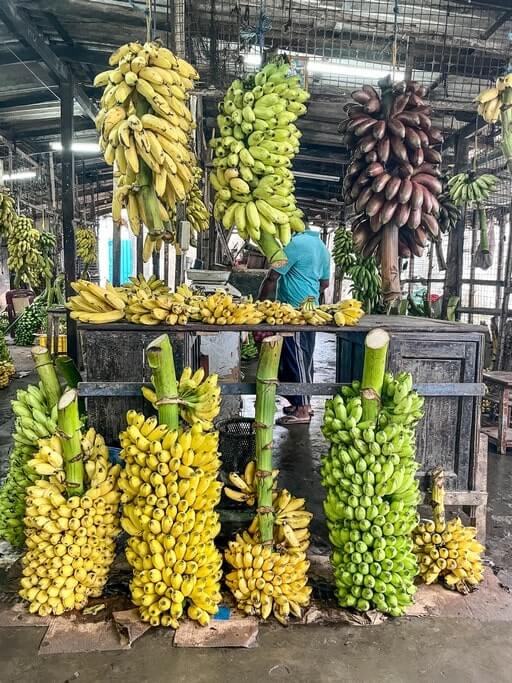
(50, 52)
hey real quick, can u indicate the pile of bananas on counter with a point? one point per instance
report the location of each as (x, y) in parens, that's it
(146, 128)
(7, 213)
(253, 156)
(95, 304)
(496, 104)
(70, 540)
(468, 187)
(26, 248)
(199, 397)
(268, 580)
(170, 308)
(447, 551)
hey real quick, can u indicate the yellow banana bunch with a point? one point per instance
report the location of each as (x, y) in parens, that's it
(244, 485)
(170, 490)
(85, 239)
(169, 309)
(152, 286)
(489, 103)
(313, 314)
(7, 372)
(221, 309)
(253, 155)
(496, 104)
(196, 212)
(95, 304)
(447, 551)
(146, 128)
(278, 313)
(347, 312)
(7, 213)
(70, 541)
(264, 581)
(25, 251)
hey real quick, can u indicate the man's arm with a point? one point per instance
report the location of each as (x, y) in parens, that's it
(323, 286)
(268, 286)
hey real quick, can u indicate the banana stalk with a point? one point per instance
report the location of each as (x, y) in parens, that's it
(376, 350)
(266, 380)
(69, 428)
(506, 126)
(272, 250)
(161, 361)
(47, 375)
(437, 496)
(484, 234)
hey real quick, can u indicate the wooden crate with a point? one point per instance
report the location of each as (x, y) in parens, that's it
(119, 356)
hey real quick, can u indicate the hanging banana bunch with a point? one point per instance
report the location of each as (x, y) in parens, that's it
(496, 104)
(468, 187)
(253, 155)
(393, 178)
(146, 127)
(449, 212)
(86, 244)
(7, 213)
(26, 248)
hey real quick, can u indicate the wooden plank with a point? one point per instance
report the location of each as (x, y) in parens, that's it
(119, 388)
(498, 377)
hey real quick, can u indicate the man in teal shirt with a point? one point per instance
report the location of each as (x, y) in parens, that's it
(305, 274)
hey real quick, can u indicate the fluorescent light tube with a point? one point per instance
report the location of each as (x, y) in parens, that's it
(364, 70)
(86, 147)
(19, 175)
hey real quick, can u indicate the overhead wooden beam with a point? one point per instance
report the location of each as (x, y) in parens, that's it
(19, 22)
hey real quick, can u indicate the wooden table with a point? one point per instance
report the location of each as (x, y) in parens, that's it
(499, 384)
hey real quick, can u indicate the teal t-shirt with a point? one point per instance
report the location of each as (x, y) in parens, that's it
(308, 263)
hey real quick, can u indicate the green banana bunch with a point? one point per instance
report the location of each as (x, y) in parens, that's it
(372, 494)
(249, 349)
(253, 156)
(34, 420)
(26, 249)
(7, 213)
(343, 249)
(366, 282)
(467, 187)
(30, 321)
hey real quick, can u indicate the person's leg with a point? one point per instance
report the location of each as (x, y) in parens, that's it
(305, 366)
(288, 370)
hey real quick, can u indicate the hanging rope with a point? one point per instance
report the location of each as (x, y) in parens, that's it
(149, 20)
(394, 47)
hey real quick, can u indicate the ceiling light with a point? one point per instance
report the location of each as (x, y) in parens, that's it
(86, 147)
(19, 175)
(362, 70)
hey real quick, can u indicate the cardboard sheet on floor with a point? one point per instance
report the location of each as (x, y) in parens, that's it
(129, 625)
(18, 615)
(67, 635)
(237, 631)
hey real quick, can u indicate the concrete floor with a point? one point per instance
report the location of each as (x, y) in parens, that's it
(409, 650)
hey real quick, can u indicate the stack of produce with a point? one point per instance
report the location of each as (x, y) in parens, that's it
(7, 213)
(85, 239)
(170, 490)
(26, 258)
(372, 493)
(30, 321)
(496, 103)
(35, 409)
(146, 128)
(199, 397)
(221, 309)
(366, 282)
(253, 156)
(447, 551)
(269, 566)
(171, 308)
(393, 178)
(95, 304)
(71, 520)
(152, 286)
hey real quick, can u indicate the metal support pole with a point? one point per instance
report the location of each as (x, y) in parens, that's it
(156, 263)
(116, 254)
(140, 247)
(68, 203)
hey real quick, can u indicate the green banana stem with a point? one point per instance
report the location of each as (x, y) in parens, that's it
(506, 126)
(71, 375)
(266, 381)
(375, 354)
(69, 427)
(272, 250)
(47, 375)
(484, 232)
(161, 361)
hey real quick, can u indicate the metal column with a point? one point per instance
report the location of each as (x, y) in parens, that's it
(68, 202)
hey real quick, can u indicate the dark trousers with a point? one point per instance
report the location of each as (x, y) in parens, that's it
(296, 363)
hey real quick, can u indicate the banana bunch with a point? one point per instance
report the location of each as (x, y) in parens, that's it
(220, 309)
(7, 213)
(170, 490)
(95, 304)
(146, 127)
(70, 541)
(153, 286)
(265, 581)
(30, 321)
(26, 259)
(279, 313)
(447, 550)
(372, 494)
(449, 213)
(253, 156)
(171, 308)
(366, 281)
(7, 372)
(346, 312)
(343, 249)
(199, 398)
(34, 420)
(243, 486)
(85, 239)
(490, 101)
(467, 187)
(393, 178)
(249, 350)
(196, 212)
(313, 314)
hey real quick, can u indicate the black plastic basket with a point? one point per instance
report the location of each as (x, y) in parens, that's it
(237, 443)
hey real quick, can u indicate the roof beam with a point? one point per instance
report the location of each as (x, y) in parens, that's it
(81, 55)
(19, 22)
